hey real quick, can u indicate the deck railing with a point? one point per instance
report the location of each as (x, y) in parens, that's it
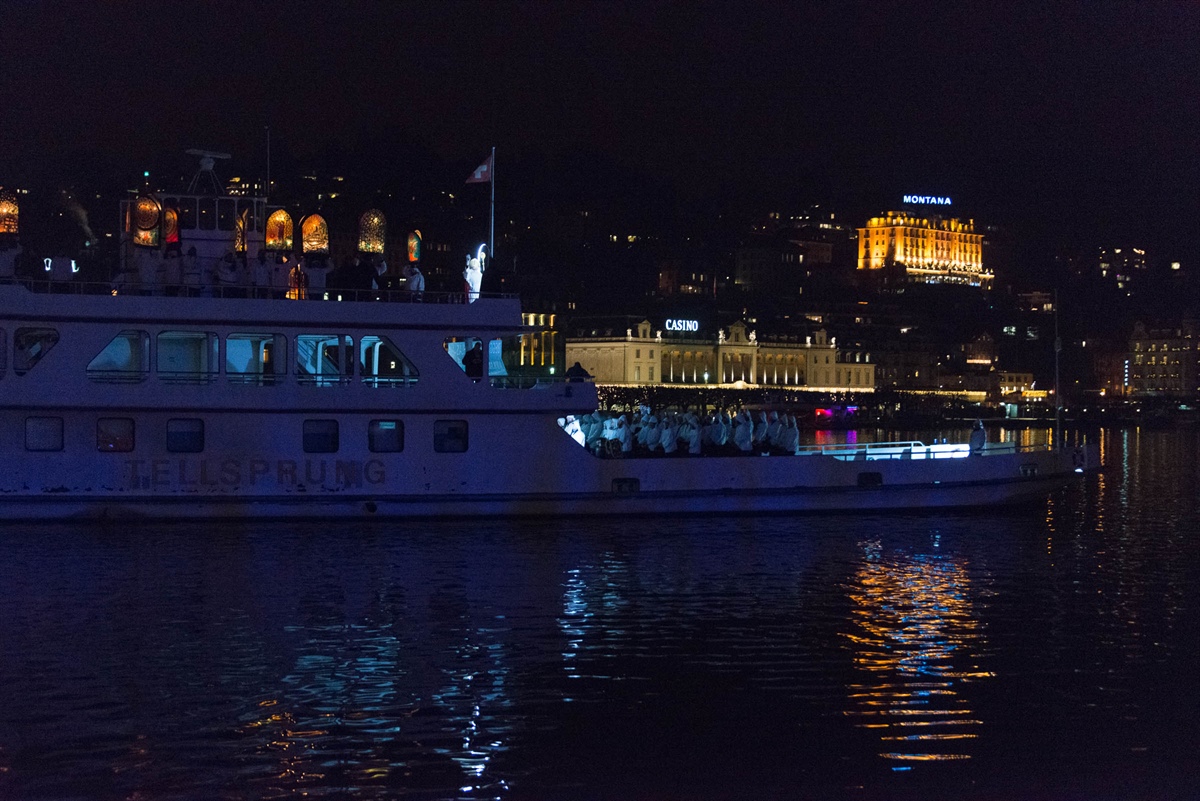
(913, 449)
(241, 292)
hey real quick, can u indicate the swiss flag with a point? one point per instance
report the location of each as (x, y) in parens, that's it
(483, 173)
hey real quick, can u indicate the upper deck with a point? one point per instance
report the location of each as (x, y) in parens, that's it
(33, 299)
(78, 344)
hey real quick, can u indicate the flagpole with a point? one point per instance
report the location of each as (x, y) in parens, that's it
(492, 228)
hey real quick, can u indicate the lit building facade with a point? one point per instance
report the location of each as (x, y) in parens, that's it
(1163, 361)
(642, 355)
(924, 249)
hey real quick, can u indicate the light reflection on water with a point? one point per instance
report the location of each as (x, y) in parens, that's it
(916, 644)
(878, 656)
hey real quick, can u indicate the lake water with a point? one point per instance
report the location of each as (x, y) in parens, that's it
(1043, 652)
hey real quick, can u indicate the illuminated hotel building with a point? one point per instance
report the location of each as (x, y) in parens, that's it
(923, 249)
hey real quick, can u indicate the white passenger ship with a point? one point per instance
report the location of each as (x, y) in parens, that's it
(185, 403)
(124, 406)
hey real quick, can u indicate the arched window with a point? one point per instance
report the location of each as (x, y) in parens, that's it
(414, 246)
(147, 218)
(171, 225)
(9, 211)
(240, 242)
(314, 234)
(372, 230)
(279, 231)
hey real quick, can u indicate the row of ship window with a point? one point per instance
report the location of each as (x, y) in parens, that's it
(259, 358)
(186, 435)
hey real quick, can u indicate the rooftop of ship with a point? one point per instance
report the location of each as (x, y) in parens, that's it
(32, 299)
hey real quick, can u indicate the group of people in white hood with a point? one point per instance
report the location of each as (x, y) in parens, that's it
(643, 433)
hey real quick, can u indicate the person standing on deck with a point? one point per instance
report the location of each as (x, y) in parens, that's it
(473, 362)
(318, 272)
(260, 275)
(191, 273)
(978, 439)
(415, 281)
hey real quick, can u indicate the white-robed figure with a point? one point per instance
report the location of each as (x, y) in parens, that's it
(743, 431)
(669, 435)
(571, 426)
(789, 437)
(690, 433)
(648, 432)
(473, 274)
(774, 429)
(625, 434)
(978, 439)
(760, 431)
(414, 280)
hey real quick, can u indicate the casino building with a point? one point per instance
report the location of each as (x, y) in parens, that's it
(681, 353)
(911, 246)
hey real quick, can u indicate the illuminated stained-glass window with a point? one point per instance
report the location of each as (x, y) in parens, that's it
(9, 211)
(239, 231)
(170, 225)
(279, 231)
(314, 234)
(147, 217)
(414, 246)
(372, 229)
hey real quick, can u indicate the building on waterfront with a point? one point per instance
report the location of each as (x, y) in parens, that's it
(904, 246)
(683, 353)
(1163, 361)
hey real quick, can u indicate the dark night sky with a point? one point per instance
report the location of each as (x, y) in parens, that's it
(1042, 116)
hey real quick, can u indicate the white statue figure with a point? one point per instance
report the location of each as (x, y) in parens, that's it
(721, 335)
(473, 274)
(753, 337)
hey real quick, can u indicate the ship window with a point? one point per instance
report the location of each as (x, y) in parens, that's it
(450, 436)
(187, 213)
(320, 436)
(226, 213)
(459, 347)
(114, 434)
(43, 434)
(208, 217)
(125, 359)
(245, 211)
(385, 436)
(187, 357)
(323, 359)
(185, 436)
(383, 365)
(30, 345)
(255, 358)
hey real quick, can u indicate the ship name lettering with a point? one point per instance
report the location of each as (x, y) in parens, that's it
(258, 468)
(166, 474)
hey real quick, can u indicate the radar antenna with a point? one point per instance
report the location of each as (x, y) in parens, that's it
(205, 182)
